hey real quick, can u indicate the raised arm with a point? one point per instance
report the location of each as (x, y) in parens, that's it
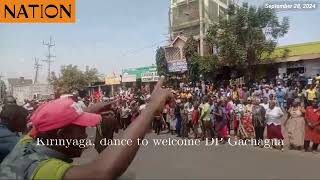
(96, 108)
(114, 160)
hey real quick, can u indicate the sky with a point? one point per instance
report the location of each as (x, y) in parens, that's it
(111, 35)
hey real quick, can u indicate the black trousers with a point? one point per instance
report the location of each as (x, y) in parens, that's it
(164, 116)
(259, 132)
(307, 145)
(125, 123)
(157, 125)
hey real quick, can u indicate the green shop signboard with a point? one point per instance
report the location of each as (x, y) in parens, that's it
(146, 74)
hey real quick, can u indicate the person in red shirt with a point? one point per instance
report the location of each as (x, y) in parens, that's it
(312, 130)
(195, 120)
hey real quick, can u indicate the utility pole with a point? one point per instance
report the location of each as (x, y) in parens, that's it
(37, 66)
(201, 26)
(49, 60)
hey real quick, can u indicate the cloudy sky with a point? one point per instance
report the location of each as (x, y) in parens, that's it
(111, 35)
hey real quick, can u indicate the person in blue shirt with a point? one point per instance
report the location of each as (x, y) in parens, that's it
(280, 94)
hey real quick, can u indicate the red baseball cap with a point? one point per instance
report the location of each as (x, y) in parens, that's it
(60, 113)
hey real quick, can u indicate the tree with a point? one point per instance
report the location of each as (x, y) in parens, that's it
(91, 75)
(72, 79)
(197, 65)
(209, 66)
(248, 36)
(193, 58)
(161, 62)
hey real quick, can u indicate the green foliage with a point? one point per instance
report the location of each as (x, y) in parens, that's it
(190, 48)
(193, 59)
(194, 67)
(197, 65)
(247, 35)
(209, 65)
(161, 62)
(73, 79)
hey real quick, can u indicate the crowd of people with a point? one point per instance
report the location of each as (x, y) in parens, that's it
(65, 120)
(202, 110)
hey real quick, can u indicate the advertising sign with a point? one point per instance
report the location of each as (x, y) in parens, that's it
(151, 76)
(112, 79)
(129, 77)
(177, 66)
(146, 74)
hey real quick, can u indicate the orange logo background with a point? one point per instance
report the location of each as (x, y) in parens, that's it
(37, 11)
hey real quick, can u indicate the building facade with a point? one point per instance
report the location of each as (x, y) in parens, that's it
(191, 18)
(13, 82)
(194, 17)
(302, 58)
(33, 91)
(309, 65)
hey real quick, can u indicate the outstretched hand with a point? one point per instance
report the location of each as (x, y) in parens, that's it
(160, 96)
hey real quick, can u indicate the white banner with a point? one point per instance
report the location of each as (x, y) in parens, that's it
(177, 66)
(129, 78)
(149, 77)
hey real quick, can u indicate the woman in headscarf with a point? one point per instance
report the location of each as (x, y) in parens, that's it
(295, 124)
(312, 130)
(273, 118)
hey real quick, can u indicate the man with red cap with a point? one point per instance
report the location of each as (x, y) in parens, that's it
(62, 120)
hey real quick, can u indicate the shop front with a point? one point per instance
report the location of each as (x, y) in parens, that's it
(309, 68)
(114, 81)
(141, 77)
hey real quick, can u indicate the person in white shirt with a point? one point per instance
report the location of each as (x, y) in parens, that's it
(273, 118)
(142, 107)
(81, 103)
(265, 103)
(125, 111)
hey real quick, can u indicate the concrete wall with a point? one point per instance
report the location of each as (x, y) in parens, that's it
(27, 92)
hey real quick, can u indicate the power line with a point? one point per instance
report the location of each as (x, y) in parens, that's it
(49, 56)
